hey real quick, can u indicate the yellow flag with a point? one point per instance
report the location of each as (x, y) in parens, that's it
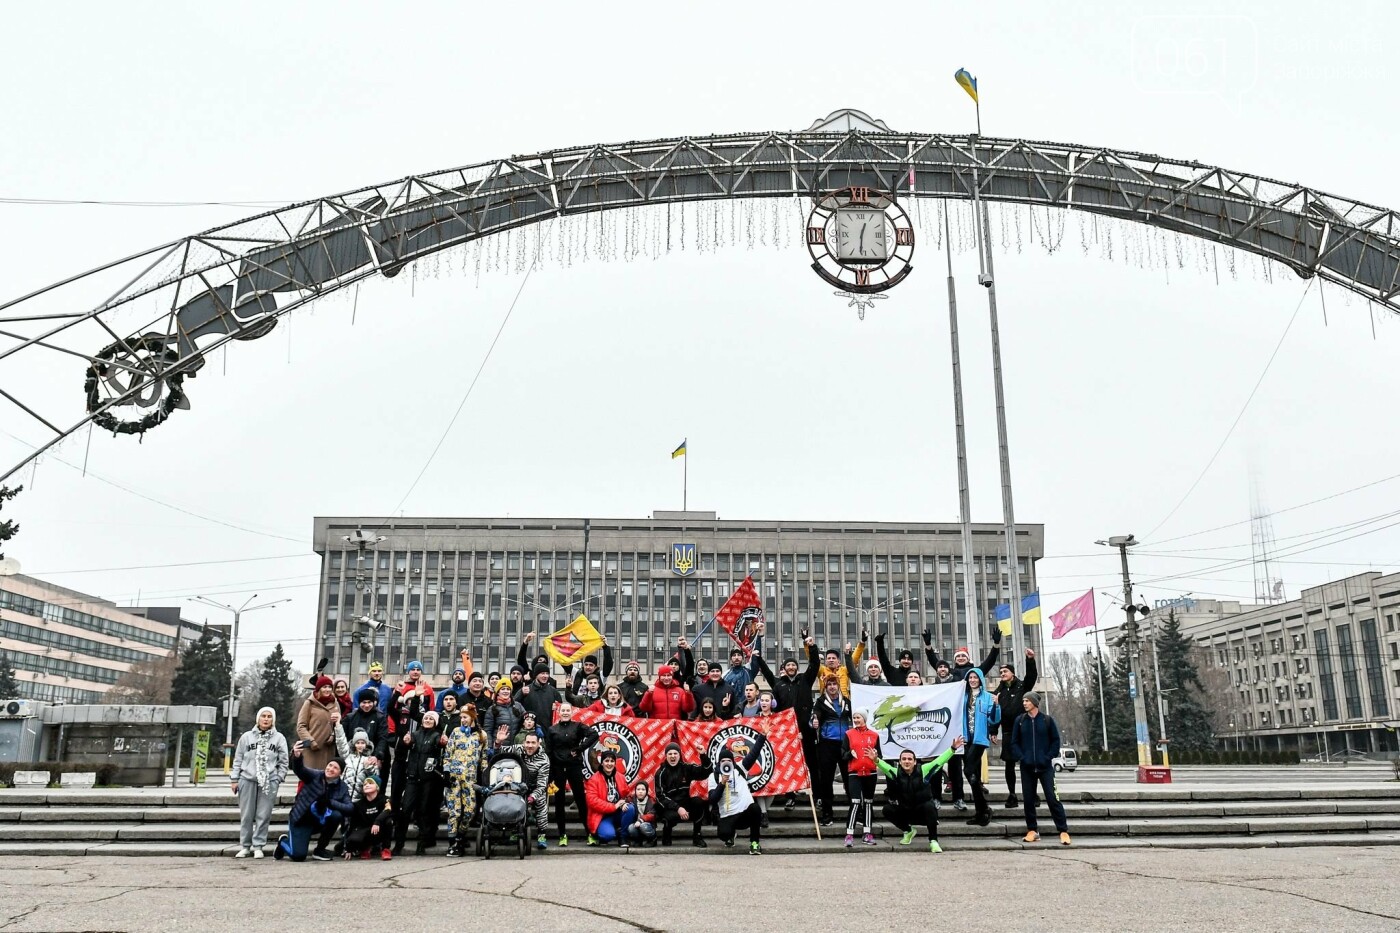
(967, 82)
(573, 642)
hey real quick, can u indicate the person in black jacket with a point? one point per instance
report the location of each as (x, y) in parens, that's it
(422, 801)
(633, 688)
(898, 673)
(590, 666)
(962, 660)
(567, 742)
(1009, 695)
(370, 827)
(717, 691)
(404, 713)
(366, 716)
(540, 695)
(673, 799)
(1037, 742)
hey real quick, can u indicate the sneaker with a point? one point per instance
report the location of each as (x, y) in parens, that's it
(258, 853)
(827, 819)
(935, 847)
(755, 849)
(623, 844)
(592, 839)
(868, 839)
(243, 853)
(541, 843)
(1064, 839)
(699, 842)
(791, 803)
(959, 805)
(280, 852)
(384, 854)
(320, 855)
(763, 821)
(850, 840)
(1012, 802)
(729, 843)
(1031, 836)
(453, 852)
(908, 837)
(563, 842)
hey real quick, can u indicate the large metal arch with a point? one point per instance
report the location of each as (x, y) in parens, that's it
(234, 281)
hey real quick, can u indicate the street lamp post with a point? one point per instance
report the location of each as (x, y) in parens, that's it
(868, 613)
(1130, 643)
(233, 657)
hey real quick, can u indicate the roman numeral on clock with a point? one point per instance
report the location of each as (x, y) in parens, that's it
(816, 235)
(904, 236)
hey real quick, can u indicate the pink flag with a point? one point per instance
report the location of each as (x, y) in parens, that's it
(1078, 614)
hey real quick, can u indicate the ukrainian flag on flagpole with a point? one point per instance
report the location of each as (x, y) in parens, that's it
(679, 451)
(967, 82)
(1030, 609)
(1002, 616)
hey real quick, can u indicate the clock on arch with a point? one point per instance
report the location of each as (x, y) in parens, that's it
(860, 239)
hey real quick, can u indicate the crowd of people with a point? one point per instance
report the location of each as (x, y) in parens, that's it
(374, 761)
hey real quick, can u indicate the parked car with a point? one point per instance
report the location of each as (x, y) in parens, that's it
(1068, 760)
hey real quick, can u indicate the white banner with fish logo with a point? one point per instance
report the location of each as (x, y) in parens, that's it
(924, 720)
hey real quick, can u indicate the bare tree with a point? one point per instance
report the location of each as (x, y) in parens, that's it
(145, 683)
(1069, 677)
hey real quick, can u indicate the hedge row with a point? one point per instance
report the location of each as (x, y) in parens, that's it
(106, 774)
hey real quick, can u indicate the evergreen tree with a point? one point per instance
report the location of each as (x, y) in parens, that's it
(279, 691)
(9, 686)
(1117, 704)
(202, 679)
(1190, 724)
(8, 529)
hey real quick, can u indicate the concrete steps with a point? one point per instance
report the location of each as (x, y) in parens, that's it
(204, 822)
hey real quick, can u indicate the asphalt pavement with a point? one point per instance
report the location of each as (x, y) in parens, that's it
(1051, 888)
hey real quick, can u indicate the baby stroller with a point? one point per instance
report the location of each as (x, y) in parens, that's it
(503, 811)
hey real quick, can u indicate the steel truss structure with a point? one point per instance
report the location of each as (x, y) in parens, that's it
(234, 282)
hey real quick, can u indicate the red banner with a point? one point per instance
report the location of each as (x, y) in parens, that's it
(640, 745)
(741, 614)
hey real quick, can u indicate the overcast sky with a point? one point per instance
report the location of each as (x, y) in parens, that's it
(1122, 380)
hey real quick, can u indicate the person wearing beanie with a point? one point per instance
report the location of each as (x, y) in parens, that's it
(321, 805)
(832, 715)
(732, 798)
(909, 799)
(540, 696)
(458, 687)
(464, 767)
(422, 799)
(367, 718)
(962, 658)
(742, 670)
(519, 675)
(981, 716)
(897, 673)
(357, 759)
(856, 746)
(415, 683)
(567, 742)
(1009, 694)
(642, 830)
(590, 665)
(259, 765)
(370, 827)
(406, 709)
(673, 798)
(872, 676)
(503, 719)
(316, 724)
(376, 683)
(633, 687)
(1036, 738)
(715, 689)
(478, 694)
(609, 809)
(529, 663)
(667, 699)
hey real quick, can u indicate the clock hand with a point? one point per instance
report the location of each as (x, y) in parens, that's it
(862, 238)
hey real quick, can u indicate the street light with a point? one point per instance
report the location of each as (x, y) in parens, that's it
(233, 656)
(868, 613)
(1130, 644)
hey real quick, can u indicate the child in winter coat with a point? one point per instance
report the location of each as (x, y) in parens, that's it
(464, 764)
(982, 713)
(860, 739)
(528, 726)
(370, 827)
(642, 829)
(359, 760)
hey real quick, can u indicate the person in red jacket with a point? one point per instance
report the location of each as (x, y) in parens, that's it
(610, 811)
(860, 774)
(612, 703)
(667, 699)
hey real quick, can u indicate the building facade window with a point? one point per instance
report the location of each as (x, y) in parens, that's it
(1324, 674)
(1375, 677)
(1351, 683)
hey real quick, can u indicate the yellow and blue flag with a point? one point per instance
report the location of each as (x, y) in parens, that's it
(1002, 616)
(1030, 609)
(967, 82)
(679, 451)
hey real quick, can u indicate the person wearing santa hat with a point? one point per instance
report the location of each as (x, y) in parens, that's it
(316, 724)
(667, 699)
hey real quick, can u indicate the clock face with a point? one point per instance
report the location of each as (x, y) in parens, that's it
(860, 240)
(860, 236)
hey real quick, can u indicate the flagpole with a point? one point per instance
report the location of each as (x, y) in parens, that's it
(685, 478)
(1098, 665)
(964, 497)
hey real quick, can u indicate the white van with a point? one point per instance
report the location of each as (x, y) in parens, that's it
(1067, 761)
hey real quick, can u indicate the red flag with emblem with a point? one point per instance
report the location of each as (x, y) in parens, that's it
(741, 614)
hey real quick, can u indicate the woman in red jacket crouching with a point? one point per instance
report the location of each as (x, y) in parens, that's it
(610, 811)
(860, 774)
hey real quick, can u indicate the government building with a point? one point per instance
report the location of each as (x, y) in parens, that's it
(1319, 674)
(426, 588)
